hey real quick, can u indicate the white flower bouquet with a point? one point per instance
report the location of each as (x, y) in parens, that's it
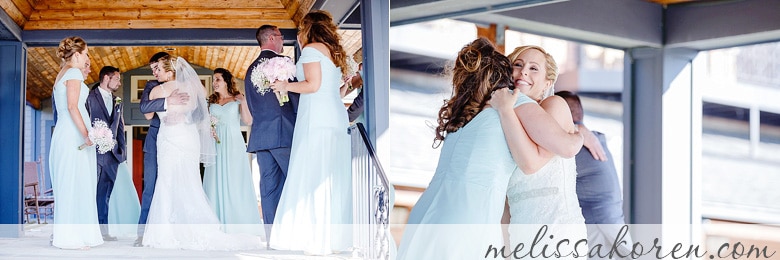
(214, 120)
(352, 68)
(273, 69)
(102, 136)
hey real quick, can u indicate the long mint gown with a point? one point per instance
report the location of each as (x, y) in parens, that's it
(316, 202)
(123, 205)
(73, 173)
(228, 183)
(459, 214)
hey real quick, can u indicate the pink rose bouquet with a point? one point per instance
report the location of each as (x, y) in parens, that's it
(102, 136)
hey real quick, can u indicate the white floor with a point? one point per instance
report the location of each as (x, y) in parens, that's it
(35, 245)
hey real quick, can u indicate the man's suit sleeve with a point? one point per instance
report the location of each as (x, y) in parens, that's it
(121, 140)
(155, 105)
(250, 97)
(356, 108)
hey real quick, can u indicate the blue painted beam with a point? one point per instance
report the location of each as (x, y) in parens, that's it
(153, 37)
(613, 23)
(451, 10)
(720, 24)
(376, 57)
(9, 30)
(12, 66)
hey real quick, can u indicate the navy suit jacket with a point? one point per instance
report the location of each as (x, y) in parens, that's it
(149, 106)
(272, 125)
(115, 121)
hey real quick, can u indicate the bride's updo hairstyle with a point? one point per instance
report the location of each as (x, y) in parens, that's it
(68, 47)
(318, 26)
(168, 63)
(478, 71)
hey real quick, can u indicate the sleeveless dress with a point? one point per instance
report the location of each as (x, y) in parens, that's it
(180, 215)
(547, 197)
(459, 214)
(73, 173)
(123, 205)
(228, 183)
(316, 201)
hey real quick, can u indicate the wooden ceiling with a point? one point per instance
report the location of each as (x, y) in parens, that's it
(43, 64)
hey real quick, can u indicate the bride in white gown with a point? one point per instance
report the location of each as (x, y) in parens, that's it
(542, 195)
(180, 216)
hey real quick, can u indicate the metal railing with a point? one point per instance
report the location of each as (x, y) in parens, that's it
(371, 199)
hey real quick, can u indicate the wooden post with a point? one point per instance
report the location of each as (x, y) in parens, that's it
(493, 34)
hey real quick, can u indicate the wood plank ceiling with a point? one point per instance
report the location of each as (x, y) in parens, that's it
(43, 64)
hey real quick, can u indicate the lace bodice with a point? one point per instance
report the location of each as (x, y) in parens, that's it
(546, 197)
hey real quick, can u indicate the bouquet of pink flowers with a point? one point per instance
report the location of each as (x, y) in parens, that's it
(102, 136)
(214, 120)
(273, 69)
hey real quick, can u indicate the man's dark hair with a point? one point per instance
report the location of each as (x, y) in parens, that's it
(106, 70)
(157, 56)
(575, 105)
(262, 32)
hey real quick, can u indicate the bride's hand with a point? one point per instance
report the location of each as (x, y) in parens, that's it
(503, 100)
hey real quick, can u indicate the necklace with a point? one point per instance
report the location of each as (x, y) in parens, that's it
(222, 99)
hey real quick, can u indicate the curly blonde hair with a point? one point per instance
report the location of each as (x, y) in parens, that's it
(479, 70)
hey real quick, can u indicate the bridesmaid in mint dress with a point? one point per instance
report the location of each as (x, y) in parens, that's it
(72, 170)
(458, 215)
(228, 183)
(123, 205)
(315, 204)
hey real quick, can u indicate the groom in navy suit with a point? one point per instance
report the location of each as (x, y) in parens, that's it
(149, 107)
(104, 106)
(272, 127)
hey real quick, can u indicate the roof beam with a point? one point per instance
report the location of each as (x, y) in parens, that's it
(721, 24)
(628, 23)
(435, 10)
(150, 37)
(9, 30)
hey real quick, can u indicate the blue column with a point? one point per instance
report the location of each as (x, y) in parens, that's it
(658, 129)
(13, 59)
(660, 179)
(376, 62)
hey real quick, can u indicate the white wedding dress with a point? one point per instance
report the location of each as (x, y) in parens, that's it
(180, 216)
(547, 198)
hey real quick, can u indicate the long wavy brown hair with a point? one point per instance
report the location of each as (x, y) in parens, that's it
(318, 26)
(230, 85)
(478, 71)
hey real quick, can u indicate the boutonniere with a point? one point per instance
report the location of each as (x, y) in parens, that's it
(118, 100)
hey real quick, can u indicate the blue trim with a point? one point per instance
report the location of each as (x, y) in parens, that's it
(376, 57)
(149, 37)
(9, 29)
(12, 68)
(48, 131)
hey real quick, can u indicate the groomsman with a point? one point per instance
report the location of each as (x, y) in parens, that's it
(149, 107)
(272, 127)
(598, 190)
(103, 105)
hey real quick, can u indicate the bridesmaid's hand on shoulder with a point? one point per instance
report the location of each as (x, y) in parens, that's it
(241, 98)
(503, 100)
